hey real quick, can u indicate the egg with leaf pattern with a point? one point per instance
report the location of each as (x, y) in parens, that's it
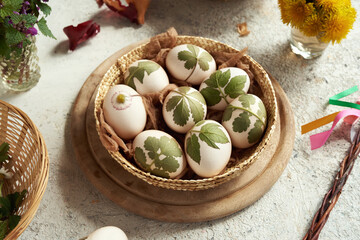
(182, 108)
(223, 86)
(159, 153)
(245, 120)
(190, 63)
(207, 148)
(146, 76)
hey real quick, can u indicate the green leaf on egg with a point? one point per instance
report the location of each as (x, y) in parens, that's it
(193, 148)
(256, 133)
(138, 72)
(247, 100)
(228, 113)
(211, 133)
(242, 122)
(235, 87)
(192, 57)
(184, 104)
(162, 152)
(261, 111)
(211, 95)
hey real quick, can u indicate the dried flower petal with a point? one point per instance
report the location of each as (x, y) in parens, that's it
(135, 12)
(242, 29)
(81, 33)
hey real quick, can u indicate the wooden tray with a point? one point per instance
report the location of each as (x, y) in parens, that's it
(152, 202)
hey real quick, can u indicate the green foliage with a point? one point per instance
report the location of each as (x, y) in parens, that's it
(247, 100)
(139, 72)
(4, 148)
(184, 104)
(210, 133)
(220, 86)
(193, 148)
(14, 24)
(192, 57)
(242, 122)
(163, 153)
(256, 133)
(261, 111)
(228, 113)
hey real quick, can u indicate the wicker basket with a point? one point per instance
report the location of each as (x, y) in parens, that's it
(29, 162)
(115, 74)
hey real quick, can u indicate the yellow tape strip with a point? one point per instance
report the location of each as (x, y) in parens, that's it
(318, 123)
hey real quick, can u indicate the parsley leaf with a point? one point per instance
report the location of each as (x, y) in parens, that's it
(181, 113)
(139, 72)
(241, 123)
(255, 133)
(235, 87)
(227, 113)
(247, 100)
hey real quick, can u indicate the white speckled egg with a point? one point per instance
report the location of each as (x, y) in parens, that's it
(190, 63)
(245, 120)
(159, 153)
(146, 76)
(182, 108)
(207, 148)
(223, 86)
(124, 111)
(108, 233)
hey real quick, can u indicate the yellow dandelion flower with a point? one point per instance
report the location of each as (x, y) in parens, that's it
(329, 5)
(312, 25)
(336, 26)
(299, 11)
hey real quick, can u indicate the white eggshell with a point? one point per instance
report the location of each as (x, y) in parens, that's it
(182, 108)
(107, 233)
(150, 146)
(223, 86)
(146, 76)
(128, 118)
(245, 120)
(207, 148)
(190, 71)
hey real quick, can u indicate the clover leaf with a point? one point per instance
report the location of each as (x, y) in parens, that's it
(192, 57)
(138, 72)
(255, 133)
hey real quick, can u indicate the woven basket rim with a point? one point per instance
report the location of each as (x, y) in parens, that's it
(187, 184)
(41, 177)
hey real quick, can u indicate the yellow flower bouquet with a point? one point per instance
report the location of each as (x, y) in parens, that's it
(329, 20)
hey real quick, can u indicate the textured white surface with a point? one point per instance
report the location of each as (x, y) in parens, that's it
(72, 207)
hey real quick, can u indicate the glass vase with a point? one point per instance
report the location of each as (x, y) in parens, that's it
(21, 72)
(307, 47)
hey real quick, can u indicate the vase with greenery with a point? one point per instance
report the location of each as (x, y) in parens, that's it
(20, 21)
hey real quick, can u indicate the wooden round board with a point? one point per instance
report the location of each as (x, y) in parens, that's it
(162, 204)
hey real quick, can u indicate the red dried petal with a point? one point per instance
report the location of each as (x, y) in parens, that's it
(81, 33)
(129, 12)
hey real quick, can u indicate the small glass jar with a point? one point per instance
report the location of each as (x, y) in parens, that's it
(21, 72)
(307, 47)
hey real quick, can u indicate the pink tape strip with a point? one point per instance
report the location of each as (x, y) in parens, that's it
(318, 140)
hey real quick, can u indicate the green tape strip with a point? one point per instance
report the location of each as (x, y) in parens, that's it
(334, 100)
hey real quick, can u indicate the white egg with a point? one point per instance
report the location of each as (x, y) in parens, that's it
(190, 63)
(223, 86)
(146, 76)
(207, 148)
(107, 233)
(159, 153)
(245, 120)
(182, 108)
(124, 111)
